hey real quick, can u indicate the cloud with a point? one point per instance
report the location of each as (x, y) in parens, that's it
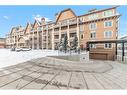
(6, 17)
(39, 17)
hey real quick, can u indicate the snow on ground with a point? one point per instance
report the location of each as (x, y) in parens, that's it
(8, 57)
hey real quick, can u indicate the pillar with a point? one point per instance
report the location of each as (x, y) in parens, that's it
(53, 47)
(33, 40)
(37, 38)
(78, 35)
(42, 37)
(68, 33)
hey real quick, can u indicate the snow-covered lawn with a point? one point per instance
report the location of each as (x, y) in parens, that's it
(8, 57)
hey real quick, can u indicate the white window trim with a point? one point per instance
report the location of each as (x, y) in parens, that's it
(92, 32)
(90, 26)
(90, 16)
(107, 31)
(108, 48)
(108, 26)
(108, 15)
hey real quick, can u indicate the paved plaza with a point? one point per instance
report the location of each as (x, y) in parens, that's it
(50, 73)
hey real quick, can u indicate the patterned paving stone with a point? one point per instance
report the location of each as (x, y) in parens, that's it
(37, 75)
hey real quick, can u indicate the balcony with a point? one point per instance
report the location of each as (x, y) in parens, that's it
(56, 40)
(56, 33)
(73, 31)
(72, 21)
(64, 23)
(56, 25)
(71, 38)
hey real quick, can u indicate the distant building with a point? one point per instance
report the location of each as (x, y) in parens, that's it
(2, 43)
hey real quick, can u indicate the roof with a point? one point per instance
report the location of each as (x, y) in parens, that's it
(69, 9)
(98, 11)
(27, 25)
(25, 38)
(38, 22)
(124, 37)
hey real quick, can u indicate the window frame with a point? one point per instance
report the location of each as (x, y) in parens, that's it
(108, 14)
(108, 35)
(108, 46)
(93, 16)
(94, 36)
(95, 26)
(108, 21)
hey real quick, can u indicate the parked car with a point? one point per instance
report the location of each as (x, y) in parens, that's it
(18, 49)
(12, 49)
(26, 49)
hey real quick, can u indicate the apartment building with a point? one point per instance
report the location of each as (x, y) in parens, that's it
(2, 43)
(93, 26)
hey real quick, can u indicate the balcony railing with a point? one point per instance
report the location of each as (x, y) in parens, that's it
(64, 23)
(56, 40)
(56, 25)
(72, 21)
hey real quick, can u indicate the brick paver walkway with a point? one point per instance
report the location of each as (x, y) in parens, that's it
(32, 75)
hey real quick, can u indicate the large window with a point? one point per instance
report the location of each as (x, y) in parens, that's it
(93, 35)
(92, 26)
(81, 19)
(107, 45)
(81, 28)
(107, 34)
(108, 23)
(108, 13)
(93, 16)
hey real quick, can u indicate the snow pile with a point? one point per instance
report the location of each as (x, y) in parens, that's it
(8, 58)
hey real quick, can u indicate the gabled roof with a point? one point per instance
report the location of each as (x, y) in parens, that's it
(38, 22)
(27, 25)
(69, 9)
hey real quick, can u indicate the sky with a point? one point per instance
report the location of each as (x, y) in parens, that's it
(11, 16)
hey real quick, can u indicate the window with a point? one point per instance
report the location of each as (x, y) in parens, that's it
(81, 19)
(107, 45)
(81, 28)
(82, 36)
(39, 29)
(108, 13)
(107, 34)
(107, 23)
(93, 16)
(92, 26)
(93, 35)
(56, 29)
(92, 45)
